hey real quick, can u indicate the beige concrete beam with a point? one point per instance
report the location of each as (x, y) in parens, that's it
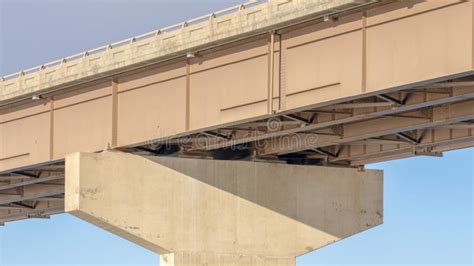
(209, 212)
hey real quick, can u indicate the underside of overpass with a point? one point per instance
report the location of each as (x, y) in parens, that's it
(313, 88)
(423, 121)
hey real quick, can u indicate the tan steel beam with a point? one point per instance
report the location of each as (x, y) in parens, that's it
(410, 151)
(10, 177)
(271, 71)
(114, 112)
(407, 138)
(266, 124)
(31, 182)
(31, 192)
(450, 144)
(382, 156)
(295, 118)
(40, 212)
(462, 125)
(379, 141)
(456, 84)
(389, 99)
(375, 128)
(437, 141)
(9, 207)
(462, 95)
(362, 105)
(50, 199)
(426, 153)
(53, 165)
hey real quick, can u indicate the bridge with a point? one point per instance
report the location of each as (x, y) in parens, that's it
(240, 137)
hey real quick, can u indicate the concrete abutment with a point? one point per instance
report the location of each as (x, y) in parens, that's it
(210, 212)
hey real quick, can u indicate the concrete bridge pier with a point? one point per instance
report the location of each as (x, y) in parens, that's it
(210, 212)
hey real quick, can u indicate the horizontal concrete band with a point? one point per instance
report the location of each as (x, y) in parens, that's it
(172, 41)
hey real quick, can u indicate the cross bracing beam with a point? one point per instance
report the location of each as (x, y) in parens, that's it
(376, 128)
(363, 105)
(31, 192)
(25, 174)
(41, 211)
(418, 103)
(461, 125)
(389, 99)
(379, 141)
(404, 152)
(431, 144)
(454, 84)
(407, 138)
(31, 182)
(12, 207)
(56, 198)
(56, 166)
(297, 119)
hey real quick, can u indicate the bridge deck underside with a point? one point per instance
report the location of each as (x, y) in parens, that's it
(33, 192)
(389, 82)
(420, 121)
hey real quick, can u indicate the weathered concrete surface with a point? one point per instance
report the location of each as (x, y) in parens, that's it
(210, 212)
(165, 43)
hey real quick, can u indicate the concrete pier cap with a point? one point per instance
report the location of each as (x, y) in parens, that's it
(211, 212)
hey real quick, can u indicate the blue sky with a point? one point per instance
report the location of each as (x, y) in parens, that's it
(428, 204)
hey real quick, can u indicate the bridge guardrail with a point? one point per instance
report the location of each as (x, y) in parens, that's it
(178, 37)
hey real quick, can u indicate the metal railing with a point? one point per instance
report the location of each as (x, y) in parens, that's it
(168, 42)
(142, 37)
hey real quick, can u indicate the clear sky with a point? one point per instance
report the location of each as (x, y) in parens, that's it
(428, 204)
